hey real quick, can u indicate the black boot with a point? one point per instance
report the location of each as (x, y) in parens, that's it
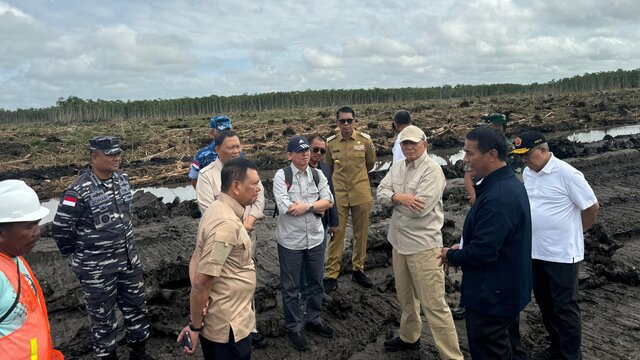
(138, 351)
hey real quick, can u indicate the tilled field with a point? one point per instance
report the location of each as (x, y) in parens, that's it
(364, 318)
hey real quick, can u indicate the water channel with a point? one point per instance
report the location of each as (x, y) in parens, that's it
(441, 156)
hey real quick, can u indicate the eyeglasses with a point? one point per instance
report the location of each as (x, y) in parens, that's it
(345, 121)
(319, 150)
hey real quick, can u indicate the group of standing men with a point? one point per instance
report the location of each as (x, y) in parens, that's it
(515, 238)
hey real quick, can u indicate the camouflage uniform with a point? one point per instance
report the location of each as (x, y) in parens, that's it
(204, 157)
(208, 154)
(93, 223)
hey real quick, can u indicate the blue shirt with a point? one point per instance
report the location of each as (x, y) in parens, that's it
(204, 157)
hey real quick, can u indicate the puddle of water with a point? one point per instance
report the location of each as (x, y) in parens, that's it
(187, 192)
(440, 156)
(597, 135)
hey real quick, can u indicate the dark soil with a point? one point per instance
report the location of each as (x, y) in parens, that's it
(364, 318)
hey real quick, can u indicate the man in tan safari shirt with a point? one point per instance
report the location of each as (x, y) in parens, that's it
(414, 187)
(225, 274)
(351, 156)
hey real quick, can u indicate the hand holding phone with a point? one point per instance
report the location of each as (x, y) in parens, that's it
(186, 341)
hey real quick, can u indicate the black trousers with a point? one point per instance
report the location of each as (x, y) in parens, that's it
(494, 337)
(555, 287)
(232, 350)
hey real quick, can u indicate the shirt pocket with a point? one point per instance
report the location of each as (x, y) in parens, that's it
(359, 153)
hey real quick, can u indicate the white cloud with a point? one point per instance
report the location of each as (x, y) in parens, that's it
(146, 50)
(320, 59)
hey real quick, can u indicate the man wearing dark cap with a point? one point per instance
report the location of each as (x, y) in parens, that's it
(301, 199)
(208, 154)
(93, 224)
(494, 252)
(563, 207)
(401, 120)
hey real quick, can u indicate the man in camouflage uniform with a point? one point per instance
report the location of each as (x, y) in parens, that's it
(93, 223)
(208, 154)
(351, 156)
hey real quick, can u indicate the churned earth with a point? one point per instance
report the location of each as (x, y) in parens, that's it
(362, 318)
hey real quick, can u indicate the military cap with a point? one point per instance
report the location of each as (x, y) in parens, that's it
(107, 144)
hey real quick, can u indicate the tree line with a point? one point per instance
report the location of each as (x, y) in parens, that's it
(75, 109)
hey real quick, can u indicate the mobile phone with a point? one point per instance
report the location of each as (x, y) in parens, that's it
(186, 341)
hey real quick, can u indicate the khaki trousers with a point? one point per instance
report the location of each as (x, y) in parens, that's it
(360, 221)
(420, 281)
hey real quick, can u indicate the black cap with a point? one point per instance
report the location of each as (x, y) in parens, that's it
(107, 144)
(297, 144)
(527, 141)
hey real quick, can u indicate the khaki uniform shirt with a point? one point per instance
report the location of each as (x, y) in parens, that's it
(349, 159)
(409, 232)
(208, 190)
(223, 251)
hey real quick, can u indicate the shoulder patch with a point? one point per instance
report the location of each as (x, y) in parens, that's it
(365, 135)
(69, 200)
(331, 138)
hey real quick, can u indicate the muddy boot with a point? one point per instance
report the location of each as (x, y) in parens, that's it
(138, 351)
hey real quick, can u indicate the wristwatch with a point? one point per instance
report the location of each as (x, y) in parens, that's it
(194, 328)
(310, 207)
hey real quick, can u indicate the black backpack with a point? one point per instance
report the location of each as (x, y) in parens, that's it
(288, 180)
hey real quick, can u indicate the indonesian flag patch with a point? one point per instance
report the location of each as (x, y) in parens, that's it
(69, 201)
(196, 165)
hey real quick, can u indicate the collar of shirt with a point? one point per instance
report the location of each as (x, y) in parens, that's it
(340, 137)
(296, 171)
(550, 167)
(417, 161)
(235, 205)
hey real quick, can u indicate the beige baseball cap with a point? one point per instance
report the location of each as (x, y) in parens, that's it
(412, 133)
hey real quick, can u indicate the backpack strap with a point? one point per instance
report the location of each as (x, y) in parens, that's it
(288, 176)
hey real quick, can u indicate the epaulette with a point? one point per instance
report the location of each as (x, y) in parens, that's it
(365, 135)
(207, 168)
(331, 137)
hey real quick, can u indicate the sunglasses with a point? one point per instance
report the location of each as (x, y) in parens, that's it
(319, 150)
(345, 121)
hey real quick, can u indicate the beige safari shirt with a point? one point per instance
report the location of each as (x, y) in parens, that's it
(349, 159)
(208, 190)
(223, 251)
(409, 232)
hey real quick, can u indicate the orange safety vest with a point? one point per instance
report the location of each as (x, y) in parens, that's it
(32, 341)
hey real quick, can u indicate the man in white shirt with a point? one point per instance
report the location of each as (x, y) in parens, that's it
(301, 202)
(563, 207)
(401, 120)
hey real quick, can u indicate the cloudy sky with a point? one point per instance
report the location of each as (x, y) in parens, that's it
(126, 49)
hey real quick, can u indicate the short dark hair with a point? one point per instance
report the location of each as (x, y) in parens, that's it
(489, 139)
(235, 170)
(315, 136)
(346, 110)
(222, 135)
(402, 117)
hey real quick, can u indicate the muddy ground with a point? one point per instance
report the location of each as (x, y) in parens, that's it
(364, 318)
(48, 157)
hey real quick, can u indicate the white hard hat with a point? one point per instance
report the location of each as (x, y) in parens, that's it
(18, 202)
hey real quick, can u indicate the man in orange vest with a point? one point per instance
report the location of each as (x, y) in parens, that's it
(24, 325)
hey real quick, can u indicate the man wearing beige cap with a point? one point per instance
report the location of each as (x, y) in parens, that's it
(414, 187)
